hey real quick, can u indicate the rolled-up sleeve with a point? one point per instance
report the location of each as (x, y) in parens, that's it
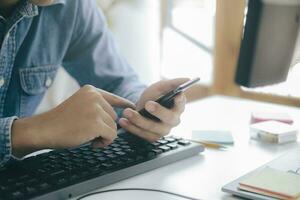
(5, 139)
(93, 57)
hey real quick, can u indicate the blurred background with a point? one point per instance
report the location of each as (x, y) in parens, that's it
(182, 38)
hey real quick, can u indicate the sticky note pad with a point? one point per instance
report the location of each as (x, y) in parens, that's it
(273, 183)
(257, 117)
(274, 131)
(213, 136)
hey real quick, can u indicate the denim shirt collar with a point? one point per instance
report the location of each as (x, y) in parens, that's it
(28, 9)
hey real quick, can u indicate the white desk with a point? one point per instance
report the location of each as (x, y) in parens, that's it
(203, 176)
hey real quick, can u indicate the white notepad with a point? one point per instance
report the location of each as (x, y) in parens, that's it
(213, 136)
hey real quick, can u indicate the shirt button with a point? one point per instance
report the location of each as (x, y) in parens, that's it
(48, 82)
(2, 81)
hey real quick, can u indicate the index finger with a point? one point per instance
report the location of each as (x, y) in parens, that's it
(115, 100)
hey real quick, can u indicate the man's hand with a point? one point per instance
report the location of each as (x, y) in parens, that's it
(86, 116)
(149, 129)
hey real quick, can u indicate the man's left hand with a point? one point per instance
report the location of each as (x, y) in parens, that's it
(149, 129)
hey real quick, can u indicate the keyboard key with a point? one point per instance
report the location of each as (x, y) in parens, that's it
(129, 151)
(88, 157)
(170, 139)
(120, 153)
(91, 162)
(156, 144)
(44, 186)
(108, 152)
(173, 145)
(98, 154)
(139, 157)
(176, 137)
(162, 141)
(61, 181)
(24, 177)
(184, 142)
(123, 143)
(101, 159)
(151, 154)
(112, 156)
(16, 195)
(106, 165)
(115, 145)
(58, 173)
(157, 151)
(74, 177)
(32, 181)
(117, 162)
(19, 184)
(117, 149)
(3, 189)
(30, 190)
(165, 148)
(127, 160)
(125, 147)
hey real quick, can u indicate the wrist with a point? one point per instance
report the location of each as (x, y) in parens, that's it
(25, 137)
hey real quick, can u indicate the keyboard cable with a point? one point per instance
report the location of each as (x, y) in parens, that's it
(137, 189)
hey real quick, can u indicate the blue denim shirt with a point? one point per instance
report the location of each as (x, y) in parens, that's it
(38, 40)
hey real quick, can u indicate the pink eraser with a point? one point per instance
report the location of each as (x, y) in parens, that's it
(271, 116)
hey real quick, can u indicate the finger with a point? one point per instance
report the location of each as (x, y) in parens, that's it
(108, 108)
(167, 85)
(166, 115)
(147, 135)
(106, 132)
(115, 100)
(107, 119)
(179, 103)
(135, 118)
(100, 143)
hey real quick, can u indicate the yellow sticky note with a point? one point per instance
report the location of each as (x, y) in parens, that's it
(273, 182)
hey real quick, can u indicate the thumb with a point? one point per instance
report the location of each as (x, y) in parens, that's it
(167, 85)
(115, 100)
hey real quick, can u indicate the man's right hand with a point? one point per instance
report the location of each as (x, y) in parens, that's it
(86, 116)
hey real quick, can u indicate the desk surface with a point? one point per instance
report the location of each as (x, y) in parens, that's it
(203, 176)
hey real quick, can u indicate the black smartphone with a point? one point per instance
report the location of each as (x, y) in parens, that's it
(167, 100)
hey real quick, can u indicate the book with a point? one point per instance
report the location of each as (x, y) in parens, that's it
(273, 183)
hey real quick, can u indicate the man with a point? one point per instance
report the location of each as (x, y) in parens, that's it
(38, 37)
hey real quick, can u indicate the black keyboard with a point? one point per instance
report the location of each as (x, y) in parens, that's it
(63, 174)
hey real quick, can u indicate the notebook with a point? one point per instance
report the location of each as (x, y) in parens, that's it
(273, 183)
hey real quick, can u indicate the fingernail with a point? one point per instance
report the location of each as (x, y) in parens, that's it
(128, 113)
(151, 107)
(123, 122)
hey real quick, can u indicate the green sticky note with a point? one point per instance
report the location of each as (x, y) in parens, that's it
(274, 181)
(212, 136)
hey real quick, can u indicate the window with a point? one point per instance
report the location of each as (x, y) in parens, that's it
(188, 39)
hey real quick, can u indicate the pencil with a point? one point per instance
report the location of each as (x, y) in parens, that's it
(210, 145)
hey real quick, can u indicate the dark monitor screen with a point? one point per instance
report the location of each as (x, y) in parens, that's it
(268, 43)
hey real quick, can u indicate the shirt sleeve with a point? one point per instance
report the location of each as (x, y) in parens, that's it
(5, 139)
(93, 57)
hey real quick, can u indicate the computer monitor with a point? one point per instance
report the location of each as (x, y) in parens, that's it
(269, 41)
